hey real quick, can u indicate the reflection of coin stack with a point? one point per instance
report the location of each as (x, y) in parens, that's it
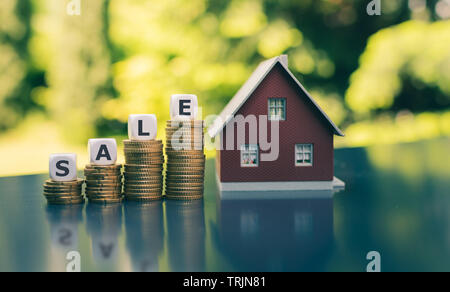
(104, 183)
(186, 241)
(143, 170)
(185, 160)
(144, 224)
(64, 193)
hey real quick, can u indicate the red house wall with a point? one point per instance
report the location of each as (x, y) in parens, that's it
(304, 125)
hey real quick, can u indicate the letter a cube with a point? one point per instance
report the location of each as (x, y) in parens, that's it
(103, 151)
(63, 167)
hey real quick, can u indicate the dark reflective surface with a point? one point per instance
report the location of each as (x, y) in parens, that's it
(397, 202)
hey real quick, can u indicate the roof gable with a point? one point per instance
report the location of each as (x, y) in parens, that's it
(249, 88)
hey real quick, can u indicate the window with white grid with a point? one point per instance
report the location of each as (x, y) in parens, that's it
(304, 154)
(277, 109)
(249, 156)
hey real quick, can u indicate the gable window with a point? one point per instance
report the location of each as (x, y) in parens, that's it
(277, 109)
(249, 156)
(304, 154)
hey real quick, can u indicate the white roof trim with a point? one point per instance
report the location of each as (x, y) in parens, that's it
(247, 90)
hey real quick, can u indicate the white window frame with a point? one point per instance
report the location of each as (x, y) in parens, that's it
(277, 107)
(248, 150)
(304, 149)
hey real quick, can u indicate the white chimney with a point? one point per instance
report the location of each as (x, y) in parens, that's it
(285, 60)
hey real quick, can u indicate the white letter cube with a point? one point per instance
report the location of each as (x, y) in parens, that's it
(183, 107)
(103, 151)
(63, 167)
(142, 127)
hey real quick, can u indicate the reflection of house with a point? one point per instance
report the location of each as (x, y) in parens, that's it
(104, 223)
(306, 133)
(274, 235)
(144, 233)
(186, 235)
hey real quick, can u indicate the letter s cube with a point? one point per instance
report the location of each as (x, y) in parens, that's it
(183, 107)
(103, 151)
(142, 127)
(63, 167)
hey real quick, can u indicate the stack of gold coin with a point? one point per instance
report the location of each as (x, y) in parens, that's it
(143, 170)
(64, 193)
(185, 160)
(104, 183)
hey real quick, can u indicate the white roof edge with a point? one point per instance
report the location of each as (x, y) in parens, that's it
(250, 86)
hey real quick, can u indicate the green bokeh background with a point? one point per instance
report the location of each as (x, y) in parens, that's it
(65, 79)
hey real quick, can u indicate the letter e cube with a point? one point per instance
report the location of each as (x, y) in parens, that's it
(183, 107)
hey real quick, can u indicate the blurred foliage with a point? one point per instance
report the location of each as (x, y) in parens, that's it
(418, 51)
(376, 76)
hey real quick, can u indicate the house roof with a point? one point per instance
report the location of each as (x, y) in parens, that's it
(250, 86)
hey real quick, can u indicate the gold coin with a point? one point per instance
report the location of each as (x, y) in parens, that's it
(149, 142)
(98, 177)
(188, 176)
(106, 201)
(59, 193)
(104, 196)
(188, 154)
(62, 193)
(184, 133)
(63, 188)
(187, 184)
(100, 189)
(154, 154)
(142, 161)
(149, 175)
(184, 182)
(143, 195)
(64, 198)
(104, 167)
(96, 170)
(58, 183)
(63, 202)
(178, 124)
(145, 170)
(144, 167)
(185, 167)
(145, 174)
(178, 189)
(144, 184)
(184, 198)
(102, 184)
(140, 180)
(170, 173)
(143, 199)
(103, 192)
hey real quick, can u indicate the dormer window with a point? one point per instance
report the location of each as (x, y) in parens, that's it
(277, 109)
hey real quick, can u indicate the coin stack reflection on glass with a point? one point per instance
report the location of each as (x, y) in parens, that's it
(144, 160)
(185, 160)
(104, 183)
(64, 192)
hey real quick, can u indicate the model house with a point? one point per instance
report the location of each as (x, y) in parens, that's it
(306, 150)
